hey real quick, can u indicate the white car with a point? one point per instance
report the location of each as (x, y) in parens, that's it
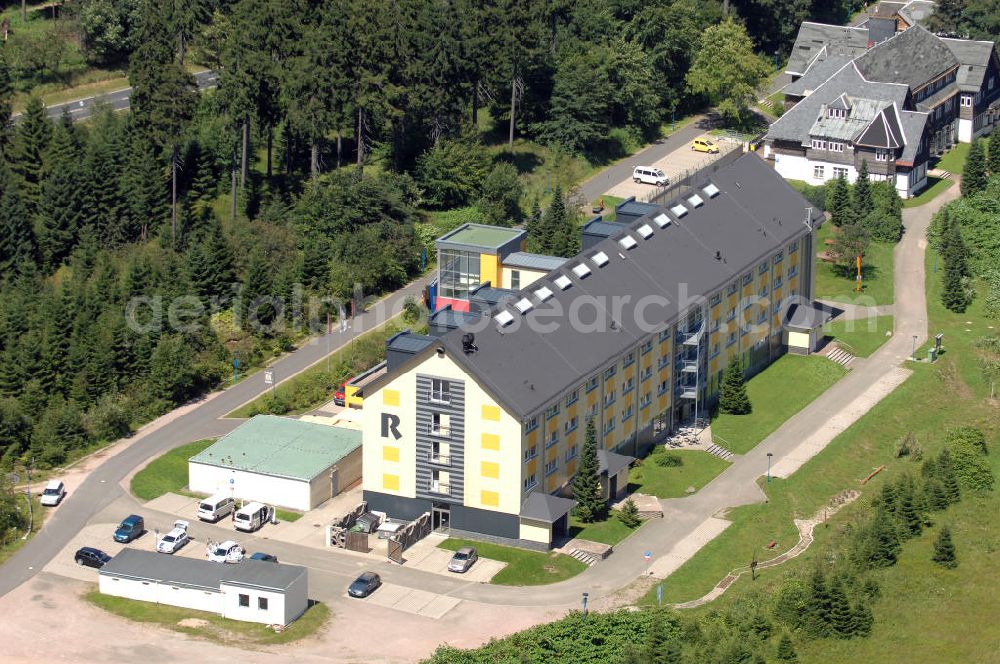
(53, 493)
(225, 552)
(175, 539)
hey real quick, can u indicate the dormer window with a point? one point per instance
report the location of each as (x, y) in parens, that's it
(835, 146)
(838, 112)
(881, 155)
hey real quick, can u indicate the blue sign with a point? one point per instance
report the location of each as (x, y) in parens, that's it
(232, 481)
(647, 555)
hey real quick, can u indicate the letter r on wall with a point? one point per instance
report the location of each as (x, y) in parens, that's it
(390, 422)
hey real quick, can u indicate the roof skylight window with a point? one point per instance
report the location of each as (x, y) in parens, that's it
(581, 270)
(711, 190)
(543, 293)
(679, 210)
(662, 220)
(523, 305)
(504, 318)
(627, 242)
(600, 258)
(563, 282)
(695, 200)
(645, 231)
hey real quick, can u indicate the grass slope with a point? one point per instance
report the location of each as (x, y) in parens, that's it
(699, 469)
(777, 393)
(934, 187)
(609, 531)
(863, 336)
(168, 473)
(216, 628)
(524, 568)
(876, 273)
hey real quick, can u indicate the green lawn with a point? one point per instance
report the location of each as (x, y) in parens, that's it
(863, 336)
(876, 273)
(13, 542)
(777, 393)
(953, 160)
(924, 615)
(699, 469)
(934, 187)
(524, 568)
(609, 531)
(168, 473)
(215, 627)
(609, 207)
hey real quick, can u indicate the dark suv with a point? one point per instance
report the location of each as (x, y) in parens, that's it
(131, 528)
(91, 557)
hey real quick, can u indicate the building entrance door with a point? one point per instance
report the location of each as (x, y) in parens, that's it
(440, 516)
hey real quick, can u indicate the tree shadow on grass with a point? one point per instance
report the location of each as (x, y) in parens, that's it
(524, 162)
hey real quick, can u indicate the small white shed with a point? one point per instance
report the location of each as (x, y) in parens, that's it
(804, 327)
(252, 590)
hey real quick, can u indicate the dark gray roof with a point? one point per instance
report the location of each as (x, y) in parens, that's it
(545, 507)
(917, 11)
(912, 124)
(444, 320)
(201, 574)
(611, 463)
(887, 9)
(630, 209)
(823, 68)
(796, 122)
(974, 57)
(912, 57)
(883, 132)
(489, 296)
(409, 342)
(803, 316)
(602, 228)
(526, 366)
(880, 29)
(815, 39)
(529, 261)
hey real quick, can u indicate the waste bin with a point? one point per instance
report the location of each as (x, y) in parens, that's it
(931, 354)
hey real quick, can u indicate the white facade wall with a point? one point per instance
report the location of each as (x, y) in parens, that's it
(274, 614)
(293, 494)
(158, 593)
(964, 130)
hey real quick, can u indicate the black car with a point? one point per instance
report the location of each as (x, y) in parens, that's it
(364, 585)
(91, 557)
(266, 557)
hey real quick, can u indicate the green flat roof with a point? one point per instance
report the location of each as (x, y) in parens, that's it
(479, 235)
(281, 446)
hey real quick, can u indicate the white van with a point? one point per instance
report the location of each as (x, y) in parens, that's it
(649, 175)
(215, 507)
(252, 516)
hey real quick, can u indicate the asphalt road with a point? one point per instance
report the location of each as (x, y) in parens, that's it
(101, 487)
(80, 109)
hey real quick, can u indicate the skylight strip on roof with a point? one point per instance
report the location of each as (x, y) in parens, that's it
(695, 200)
(523, 305)
(600, 258)
(645, 231)
(543, 293)
(711, 190)
(662, 220)
(679, 210)
(504, 318)
(627, 242)
(563, 282)
(581, 270)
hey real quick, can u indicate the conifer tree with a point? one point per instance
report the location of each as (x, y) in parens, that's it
(840, 611)
(953, 293)
(629, 514)
(653, 649)
(818, 607)
(17, 239)
(733, 399)
(6, 103)
(994, 153)
(587, 483)
(949, 479)
(146, 194)
(863, 192)
(62, 205)
(105, 208)
(974, 174)
(838, 202)
(861, 619)
(31, 142)
(910, 521)
(786, 650)
(944, 549)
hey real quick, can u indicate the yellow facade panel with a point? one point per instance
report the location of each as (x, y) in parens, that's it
(390, 482)
(489, 498)
(390, 397)
(491, 413)
(390, 453)
(491, 441)
(489, 469)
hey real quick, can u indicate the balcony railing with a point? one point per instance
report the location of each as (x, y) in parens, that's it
(441, 488)
(439, 459)
(441, 431)
(689, 366)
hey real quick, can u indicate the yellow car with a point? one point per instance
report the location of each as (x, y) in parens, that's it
(704, 145)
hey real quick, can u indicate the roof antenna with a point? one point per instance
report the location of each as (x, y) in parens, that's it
(469, 343)
(718, 255)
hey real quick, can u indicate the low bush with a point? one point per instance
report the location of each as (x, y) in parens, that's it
(669, 460)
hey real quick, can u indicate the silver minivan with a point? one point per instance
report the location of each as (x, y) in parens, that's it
(215, 507)
(649, 175)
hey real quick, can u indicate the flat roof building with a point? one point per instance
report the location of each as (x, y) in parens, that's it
(633, 333)
(279, 461)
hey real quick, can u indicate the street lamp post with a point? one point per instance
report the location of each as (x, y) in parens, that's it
(913, 351)
(769, 455)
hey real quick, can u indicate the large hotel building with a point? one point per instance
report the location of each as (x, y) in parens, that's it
(485, 431)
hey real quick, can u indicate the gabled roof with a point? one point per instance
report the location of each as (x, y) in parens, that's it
(612, 463)
(913, 57)
(543, 353)
(917, 11)
(883, 131)
(974, 57)
(815, 39)
(797, 121)
(860, 115)
(912, 124)
(545, 507)
(819, 71)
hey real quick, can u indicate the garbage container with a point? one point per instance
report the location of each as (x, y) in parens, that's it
(931, 354)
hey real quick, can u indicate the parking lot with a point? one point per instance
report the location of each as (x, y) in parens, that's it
(410, 600)
(674, 164)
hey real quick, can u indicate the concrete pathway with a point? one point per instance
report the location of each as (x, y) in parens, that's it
(850, 311)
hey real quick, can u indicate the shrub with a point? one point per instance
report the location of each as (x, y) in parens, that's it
(629, 514)
(450, 173)
(669, 460)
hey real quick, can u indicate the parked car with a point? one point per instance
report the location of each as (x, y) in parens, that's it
(463, 559)
(704, 145)
(53, 493)
(339, 395)
(252, 516)
(175, 539)
(225, 552)
(91, 557)
(215, 507)
(649, 175)
(364, 585)
(266, 557)
(131, 528)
